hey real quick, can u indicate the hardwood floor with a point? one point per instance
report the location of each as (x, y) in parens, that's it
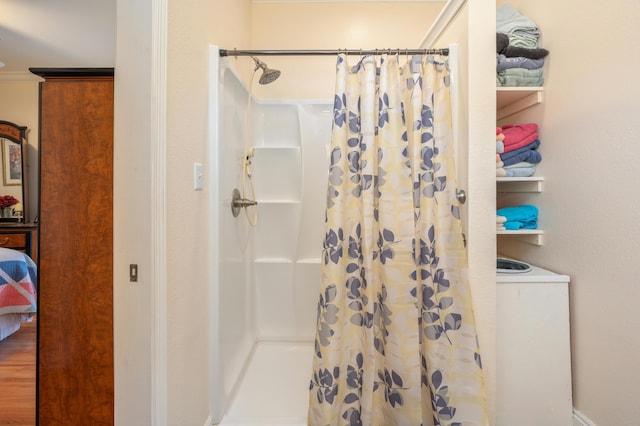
(18, 377)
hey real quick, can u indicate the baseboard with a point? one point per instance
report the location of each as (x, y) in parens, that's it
(580, 419)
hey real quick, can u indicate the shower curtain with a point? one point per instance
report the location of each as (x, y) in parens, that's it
(396, 342)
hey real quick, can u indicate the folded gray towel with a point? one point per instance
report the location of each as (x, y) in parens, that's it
(503, 47)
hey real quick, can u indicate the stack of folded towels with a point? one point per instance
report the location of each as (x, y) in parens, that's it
(518, 217)
(519, 59)
(516, 150)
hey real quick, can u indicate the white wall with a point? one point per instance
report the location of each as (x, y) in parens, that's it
(132, 214)
(590, 156)
(20, 106)
(192, 28)
(353, 25)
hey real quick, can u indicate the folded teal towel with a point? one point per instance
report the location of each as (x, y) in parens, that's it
(520, 217)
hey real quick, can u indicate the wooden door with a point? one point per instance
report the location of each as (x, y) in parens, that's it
(75, 318)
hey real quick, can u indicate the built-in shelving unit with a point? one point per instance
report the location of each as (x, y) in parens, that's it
(531, 236)
(511, 100)
(289, 176)
(520, 184)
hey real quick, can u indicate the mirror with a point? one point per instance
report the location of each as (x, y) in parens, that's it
(13, 187)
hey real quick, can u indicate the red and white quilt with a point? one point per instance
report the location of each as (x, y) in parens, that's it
(18, 281)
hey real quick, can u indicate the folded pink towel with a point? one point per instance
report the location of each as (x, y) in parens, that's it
(516, 133)
(524, 142)
(498, 130)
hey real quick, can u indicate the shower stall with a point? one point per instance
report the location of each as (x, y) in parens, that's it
(265, 279)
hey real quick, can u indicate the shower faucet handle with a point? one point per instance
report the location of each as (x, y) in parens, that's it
(237, 202)
(243, 202)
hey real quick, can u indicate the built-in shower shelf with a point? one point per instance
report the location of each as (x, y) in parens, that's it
(309, 261)
(276, 173)
(262, 201)
(273, 260)
(275, 148)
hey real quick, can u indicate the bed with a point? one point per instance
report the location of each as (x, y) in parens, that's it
(18, 274)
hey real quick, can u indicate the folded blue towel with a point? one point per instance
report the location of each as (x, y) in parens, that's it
(504, 63)
(516, 171)
(530, 156)
(520, 217)
(533, 145)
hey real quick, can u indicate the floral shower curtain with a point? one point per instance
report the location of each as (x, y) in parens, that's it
(396, 342)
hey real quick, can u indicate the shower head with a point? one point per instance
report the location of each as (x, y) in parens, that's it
(268, 75)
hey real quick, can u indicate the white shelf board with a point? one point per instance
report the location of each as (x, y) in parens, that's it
(270, 260)
(510, 100)
(531, 236)
(281, 201)
(277, 147)
(520, 184)
(310, 261)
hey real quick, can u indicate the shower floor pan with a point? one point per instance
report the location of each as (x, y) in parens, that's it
(275, 388)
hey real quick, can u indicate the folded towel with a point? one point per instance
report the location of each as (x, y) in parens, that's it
(516, 81)
(520, 217)
(521, 72)
(500, 219)
(531, 156)
(520, 164)
(508, 155)
(519, 135)
(510, 21)
(503, 47)
(512, 226)
(518, 62)
(499, 147)
(514, 133)
(500, 137)
(520, 144)
(515, 171)
(498, 130)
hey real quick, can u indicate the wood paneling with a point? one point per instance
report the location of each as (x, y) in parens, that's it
(18, 377)
(75, 345)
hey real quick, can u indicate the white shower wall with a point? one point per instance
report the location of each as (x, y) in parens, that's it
(291, 142)
(232, 330)
(268, 275)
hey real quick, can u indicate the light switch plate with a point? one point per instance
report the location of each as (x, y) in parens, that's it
(198, 176)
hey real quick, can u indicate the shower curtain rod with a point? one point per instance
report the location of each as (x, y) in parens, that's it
(235, 52)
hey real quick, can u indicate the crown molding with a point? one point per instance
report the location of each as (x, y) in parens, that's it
(348, 1)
